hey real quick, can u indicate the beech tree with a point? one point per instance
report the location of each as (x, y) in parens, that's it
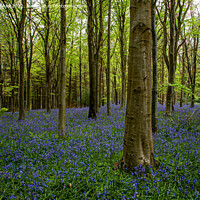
(92, 67)
(62, 67)
(98, 32)
(80, 61)
(108, 60)
(138, 142)
(47, 57)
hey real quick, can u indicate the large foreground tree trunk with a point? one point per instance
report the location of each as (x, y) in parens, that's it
(61, 125)
(138, 142)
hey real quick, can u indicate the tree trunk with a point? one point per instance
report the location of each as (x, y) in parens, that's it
(192, 65)
(115, 86)
(85, 87)
(17, 82)
(11, 52)
(80, 65)
(103, 86)
(28, 80)
(155, 75)
(123, 67)
(108, 61)
(171, 70)
(33, 103)
(40, 97)
(138, 143)
(75, 92)
(100, 80)
(101, 30)
(47, 59)
(70, 87)
(13, 83)
(120, 10)
(57, 87)
(61, 125)
(182, 79)
(163, 82)
(192, 97)
(96, 55)
(21, 60)
(195, 50)
(92, 67)
(177, 13)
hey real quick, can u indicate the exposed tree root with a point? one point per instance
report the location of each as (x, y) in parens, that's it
(122, 165)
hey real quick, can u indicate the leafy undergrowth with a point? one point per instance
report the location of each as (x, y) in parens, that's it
(36, 164)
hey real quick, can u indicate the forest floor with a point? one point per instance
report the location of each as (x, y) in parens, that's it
(36, 164)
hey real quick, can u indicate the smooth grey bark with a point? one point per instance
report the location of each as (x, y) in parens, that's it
(138, 142)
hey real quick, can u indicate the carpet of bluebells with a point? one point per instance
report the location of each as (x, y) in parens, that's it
(36, 164)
